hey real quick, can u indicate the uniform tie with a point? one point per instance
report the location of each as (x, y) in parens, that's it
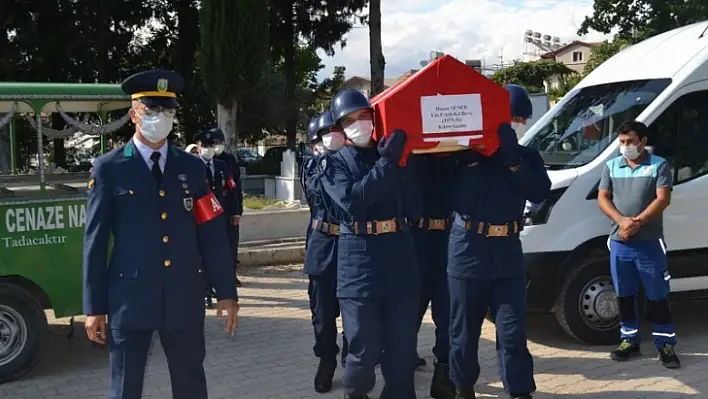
(156, 171)
(210, 176)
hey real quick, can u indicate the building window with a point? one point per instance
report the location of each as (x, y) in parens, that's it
(577, 56)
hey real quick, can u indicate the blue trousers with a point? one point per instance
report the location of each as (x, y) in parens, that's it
(324, 306)
(434, 291)
(380, 329)
(185, 352)
(469, 300)
(642, 262)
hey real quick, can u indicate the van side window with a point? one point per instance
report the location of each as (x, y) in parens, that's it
(691, 156)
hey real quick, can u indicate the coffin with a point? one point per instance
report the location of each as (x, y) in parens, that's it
(446, 106)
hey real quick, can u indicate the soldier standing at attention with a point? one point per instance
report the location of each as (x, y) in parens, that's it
(167, 230)
(377, 276)
(321, 254)
(222, 184)
(485, 259)
(434, 174)
(223, 155)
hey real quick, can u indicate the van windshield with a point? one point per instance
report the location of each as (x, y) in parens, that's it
(585, 122)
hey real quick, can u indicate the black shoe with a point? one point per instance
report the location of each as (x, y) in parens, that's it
(467, 393)
(522, 396)
(441, 387)
(420, 362)
(625, 351)
(325, 374)
(238, 282)
(668, 357)
(348, 396)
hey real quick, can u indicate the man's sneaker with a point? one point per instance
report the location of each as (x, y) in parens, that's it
(668, 357)
(625, 351)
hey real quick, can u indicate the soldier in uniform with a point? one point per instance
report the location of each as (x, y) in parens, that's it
(485, 265)
(434, 174)
(321, 255)
(167, 230)
(224, 187)
(223, 155)
(377, 275)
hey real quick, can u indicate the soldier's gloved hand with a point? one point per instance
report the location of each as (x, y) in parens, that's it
(508, 145)
(391, 147)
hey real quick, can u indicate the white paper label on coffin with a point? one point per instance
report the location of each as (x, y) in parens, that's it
(456, 113)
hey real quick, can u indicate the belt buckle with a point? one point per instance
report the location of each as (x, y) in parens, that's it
(498, 230)
(437, 224)
(385, 226)
(334, 229)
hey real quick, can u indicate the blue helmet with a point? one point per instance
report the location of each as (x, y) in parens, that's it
(347, 101)
(325, 121)
(520, 101)
(312, 129)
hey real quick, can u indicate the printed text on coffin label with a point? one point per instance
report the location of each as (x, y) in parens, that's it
(451, 113)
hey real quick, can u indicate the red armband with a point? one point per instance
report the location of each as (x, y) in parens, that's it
(230, 183)
(207, 208)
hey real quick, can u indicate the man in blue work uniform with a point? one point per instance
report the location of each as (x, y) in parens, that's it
(221, 154)
(321, 256)
(377, 276)
(485, 266)
(167, 230)
(634, 191)
(434, 174)
(222, 184)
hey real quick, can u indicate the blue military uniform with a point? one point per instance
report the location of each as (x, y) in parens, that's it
(321, 264)
(485, 263)
(434, 174)
(152, 279)
(235, 170)
(221, 182)
(377, 276)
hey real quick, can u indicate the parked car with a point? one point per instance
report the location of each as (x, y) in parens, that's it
(247, 156)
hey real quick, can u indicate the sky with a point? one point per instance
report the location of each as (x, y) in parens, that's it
(465, 29)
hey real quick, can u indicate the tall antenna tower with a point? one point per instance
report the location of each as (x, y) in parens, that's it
(537, 43)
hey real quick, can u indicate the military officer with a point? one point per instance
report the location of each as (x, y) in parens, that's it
(232, 162)
(151, 200)
(377, 276)
(434, 174)
(485, 267)
(224, 187)
(321, 257)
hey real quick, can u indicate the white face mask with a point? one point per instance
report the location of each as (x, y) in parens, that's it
(630, 152)
(519, 128)
(333, 141)
(207, 153)
(218, 149)
(156, 128)
(319, 148)
(359, 132)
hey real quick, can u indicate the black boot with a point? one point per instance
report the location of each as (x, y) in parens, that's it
(442, 387)
(522, 396)
(348, 396)
(467, 393)
(325, 374)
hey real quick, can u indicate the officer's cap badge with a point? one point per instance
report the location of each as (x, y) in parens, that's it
(188, 203)
(162, 84)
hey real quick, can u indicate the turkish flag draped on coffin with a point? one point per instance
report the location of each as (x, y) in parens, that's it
(446, 106)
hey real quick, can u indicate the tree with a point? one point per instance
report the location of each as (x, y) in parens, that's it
(321, 24)
(376, 57)
(640, 19)
(234, 50)
(532, 75)
(603, 52)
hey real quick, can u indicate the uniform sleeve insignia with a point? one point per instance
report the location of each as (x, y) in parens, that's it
(323, 164)
(91, 183)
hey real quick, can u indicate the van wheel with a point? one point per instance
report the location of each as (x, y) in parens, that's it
(587, 306)
(23, 326)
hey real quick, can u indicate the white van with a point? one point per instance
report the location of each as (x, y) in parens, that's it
(663, 82)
